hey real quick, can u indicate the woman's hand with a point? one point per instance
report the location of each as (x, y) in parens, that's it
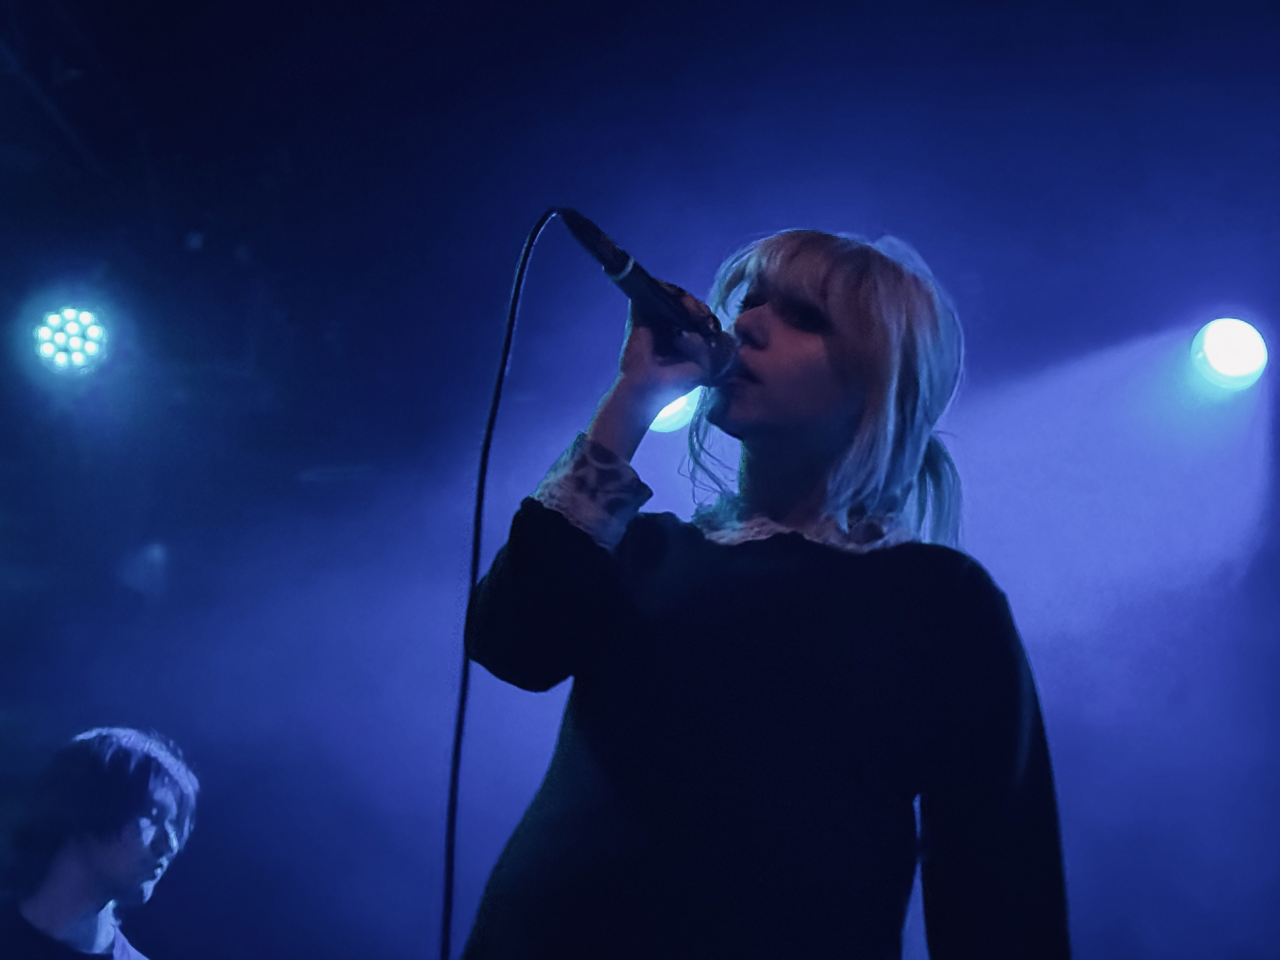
(647, 381)
(664, 377)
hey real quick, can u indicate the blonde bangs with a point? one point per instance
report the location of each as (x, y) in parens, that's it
(895, 332)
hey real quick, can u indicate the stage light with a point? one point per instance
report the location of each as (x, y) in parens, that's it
(1230, 353)
(677, 413)
(71, 340)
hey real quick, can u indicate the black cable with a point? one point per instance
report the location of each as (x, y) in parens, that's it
(451, 817)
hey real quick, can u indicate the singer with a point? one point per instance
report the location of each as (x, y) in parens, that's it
(761, 696)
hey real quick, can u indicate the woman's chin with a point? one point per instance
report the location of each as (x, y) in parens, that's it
(718, 416)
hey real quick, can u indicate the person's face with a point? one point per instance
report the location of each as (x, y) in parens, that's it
(789, 385)
(129, 866)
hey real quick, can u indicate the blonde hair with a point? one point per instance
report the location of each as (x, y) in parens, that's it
(899, 337)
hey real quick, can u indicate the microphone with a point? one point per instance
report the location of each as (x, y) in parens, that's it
(655, 307)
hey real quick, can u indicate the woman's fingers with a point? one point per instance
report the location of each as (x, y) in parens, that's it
(693, 350)
(683, 363)
(690, 302)
(664, 375)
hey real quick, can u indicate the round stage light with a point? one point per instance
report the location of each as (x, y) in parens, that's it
(677, 413)
(1229, 353)
(71, 340)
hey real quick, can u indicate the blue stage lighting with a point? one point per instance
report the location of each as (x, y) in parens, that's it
(71, 340)
(677, 413)
(1229, 353)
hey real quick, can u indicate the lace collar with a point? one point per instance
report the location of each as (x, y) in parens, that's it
(863, 536)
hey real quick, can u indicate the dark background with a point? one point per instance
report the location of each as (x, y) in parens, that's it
(300, 222)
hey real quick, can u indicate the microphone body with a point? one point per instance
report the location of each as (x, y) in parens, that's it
(655, 307)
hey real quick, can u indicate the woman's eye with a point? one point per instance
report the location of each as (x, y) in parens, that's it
(803, 316)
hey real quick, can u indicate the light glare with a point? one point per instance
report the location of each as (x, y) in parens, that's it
(1229, 353)
(677, 413)
(70, 339)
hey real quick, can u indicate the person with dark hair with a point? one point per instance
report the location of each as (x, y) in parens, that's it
(782, 706)
(98, 829)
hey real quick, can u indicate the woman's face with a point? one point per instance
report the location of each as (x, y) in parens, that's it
(787, 387)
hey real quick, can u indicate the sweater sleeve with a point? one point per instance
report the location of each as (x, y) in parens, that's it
(595, 490)
(991, 852)
(552, 593)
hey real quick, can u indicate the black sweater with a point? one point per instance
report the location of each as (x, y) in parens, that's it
(748, 727)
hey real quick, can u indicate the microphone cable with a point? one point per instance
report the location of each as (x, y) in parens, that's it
(455, 764)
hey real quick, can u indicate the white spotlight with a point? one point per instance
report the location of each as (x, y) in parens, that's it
(70, 340)
(1230, 353)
